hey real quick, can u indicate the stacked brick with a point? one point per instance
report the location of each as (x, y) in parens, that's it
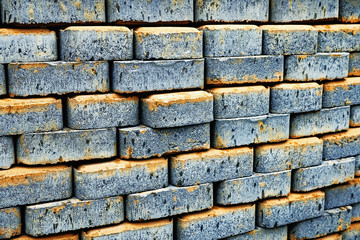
(239, 121)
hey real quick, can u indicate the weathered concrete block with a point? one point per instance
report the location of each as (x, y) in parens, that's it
(355, 116)
(160, 75)
(177, 109)
(229, 11)
(349, 11)
(253, 188)
(295, 97)
(338, 38)
(27, 45)
(244, 131)
(219, 222)
(331, 221)
(23, 185)
(211, 166)
(294, 208)
(2, 80)
(305, 10)
(340, 93)
(234, 102)
(10, 222)
(66, 145)
(324, 121)
(289, 39)
(57, 78)
(102, 110)
(168, 43)
(97, 43)
(144, 142)
(327, 174)
(240, 70)
(355, 212)
(18, 116)
(40, 12)
(340, 145)
(357, 166)
(7, 152)
(292, 154)
(342, 195)
(320, 66)
(258, 233)
(352, 233)
(160, 229)
(231, 40)
(168, 201)
(354, 64)
(119, 177)
(65, 236)
(72, 214)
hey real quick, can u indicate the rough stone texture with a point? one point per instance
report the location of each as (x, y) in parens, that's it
(352, 233)
(97, 43)
(231, 11)
(64, 11)
(283, 11)
(354, 64)
(258, 233)
(211, 166)
(295, 97)
(355, 116)
(355, 212)
(292, 154)
(340, 93)
(102, 111)
(168, 43)
(144, 142)
(234, 102)
(349, 11)
(327, 174)
(177, 109)
(3, 90)
(119, 177)
(240, 70)
(66, 145)
(333, 220)
(27, 45)
(27, 79)
(24, 185)
(146, 76)
(231, 40)
(243, 131)
(72, 214)
(253, 188)
(324, 121)
(216, 223)
(18, 116)
(289, 39)
(10, 222)
(160, 230)
(357, 166)
(65, 236)
(342, 195)
(168, 201)
(338, 38)
(294, 208)
(320, 66)
(7, 152)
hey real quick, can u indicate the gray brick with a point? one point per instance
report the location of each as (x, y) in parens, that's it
(216, 223)
(64, 236)
(57, 78)
(168, 43)
(243, 131)
(258, 233)
(66, 145)
(7, 152)
(289, 39)
(102, 111)
(26, 45)
(3, 90)
(10, 222)
(168, 201)
(253, 188)
(97, 43)
(327, 174)
(119, 177)
(240, 70)
(231, 40)
(342, 195)
(211, 166)
(355, 212)
(357, 166)
(340, 93)
(294, 208)
(72, 214)
(233, 102)
(324, 121)
(349, 11)
(352, 233)
(354, 64)
(177, 109)
(295, 97)
(24, 185)
(147, 76)
(144, 142)
(355, 116)
(292, 154)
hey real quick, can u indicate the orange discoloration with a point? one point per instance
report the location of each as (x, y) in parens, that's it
(278, 28)
(352, 134)
(110, 98)
(298, 86)
(98, 28)
(68, 236)
(229, 27)
(33, 66)
(293, 197)
(235, 90)
(10, 31)
(344, 84)
(11, 105)
(347, 28)
(191, 189)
